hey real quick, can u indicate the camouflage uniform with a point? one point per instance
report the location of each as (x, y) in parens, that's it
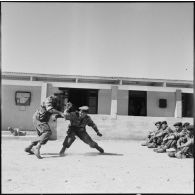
(151, 134)
(185, 145)
(40, 122)
(16, 131)
(77, 127)
(170, 140)
(157, 139)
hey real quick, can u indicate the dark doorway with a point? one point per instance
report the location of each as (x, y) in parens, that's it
(81, 97)
(187, 105)
(137, 103)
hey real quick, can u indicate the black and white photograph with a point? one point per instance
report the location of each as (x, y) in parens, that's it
(97, 97)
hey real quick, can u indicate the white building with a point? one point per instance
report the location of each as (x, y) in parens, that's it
(113, 97)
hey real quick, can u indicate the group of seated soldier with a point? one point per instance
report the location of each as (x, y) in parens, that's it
(177, 143)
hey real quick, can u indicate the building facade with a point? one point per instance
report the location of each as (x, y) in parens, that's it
(22, 93)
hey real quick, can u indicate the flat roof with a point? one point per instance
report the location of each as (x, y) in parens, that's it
(96, 79)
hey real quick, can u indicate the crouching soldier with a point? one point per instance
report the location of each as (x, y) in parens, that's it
(170, 140)
(152, 134)
(77, 127)
(16, 131)
(185, 145)
(157, 139)
(40, 120)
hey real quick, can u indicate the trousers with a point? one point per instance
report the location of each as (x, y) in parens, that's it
(83, 135)
(43, 131)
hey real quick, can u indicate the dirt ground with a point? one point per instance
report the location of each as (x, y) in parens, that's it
(126, 167)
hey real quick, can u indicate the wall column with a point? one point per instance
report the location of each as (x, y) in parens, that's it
(44, 91)
(178, 104)
(113, 111)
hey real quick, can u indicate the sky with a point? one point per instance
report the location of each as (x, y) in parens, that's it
(138, 40)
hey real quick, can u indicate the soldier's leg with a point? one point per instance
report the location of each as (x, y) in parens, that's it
(84, 136)
(33, 143)
(69, 139)
(45, 133)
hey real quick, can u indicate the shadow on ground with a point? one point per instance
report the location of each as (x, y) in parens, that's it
(56, 155)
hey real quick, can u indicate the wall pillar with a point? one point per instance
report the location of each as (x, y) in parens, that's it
(113, 111)
(178, 104)
(44, 91)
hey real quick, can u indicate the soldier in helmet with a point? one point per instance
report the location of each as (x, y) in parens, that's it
(77, 127)
(40, 120)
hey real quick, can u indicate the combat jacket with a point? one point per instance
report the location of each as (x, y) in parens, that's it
(45, 111)
(78, 123)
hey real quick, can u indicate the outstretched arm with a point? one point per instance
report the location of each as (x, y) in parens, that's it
(94, 126)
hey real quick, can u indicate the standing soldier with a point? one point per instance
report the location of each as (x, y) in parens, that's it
(77, 127)
(40, 121)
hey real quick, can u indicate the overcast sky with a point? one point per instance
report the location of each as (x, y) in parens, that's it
(143, 40)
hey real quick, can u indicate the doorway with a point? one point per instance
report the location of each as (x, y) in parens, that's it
(187, 105)
(81, 97)
(137, 103)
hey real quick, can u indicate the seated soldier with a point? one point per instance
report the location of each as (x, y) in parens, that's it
(157, 139)
(185, 145)
(16, 131)
(170, 141)
(152, 133)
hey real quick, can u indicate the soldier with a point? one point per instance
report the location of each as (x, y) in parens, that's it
(170, 140)
(185, 145)
(77, 127)
(40, 121)
(157, 139)
(16, 131)
(151, 134)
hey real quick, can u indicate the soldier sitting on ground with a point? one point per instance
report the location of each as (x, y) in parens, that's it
(78, 122)
(16, 131)
(151, 134)
(170, 140)
(157, 139)
(185, 145)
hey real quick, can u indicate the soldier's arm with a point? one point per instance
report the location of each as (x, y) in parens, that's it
(49, 107)
(92, 124)
(188, 143)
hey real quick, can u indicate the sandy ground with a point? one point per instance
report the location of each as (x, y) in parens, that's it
(126, 167)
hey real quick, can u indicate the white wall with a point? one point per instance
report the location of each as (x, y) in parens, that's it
(104, 101)
(123, 101)
(153, 104)
(17, 116)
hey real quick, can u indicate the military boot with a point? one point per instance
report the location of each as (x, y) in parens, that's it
(152, 145)
(161, 150)
(144, 143)
(62, 151)
(100, 149)
(36, 151)
(28, 149)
